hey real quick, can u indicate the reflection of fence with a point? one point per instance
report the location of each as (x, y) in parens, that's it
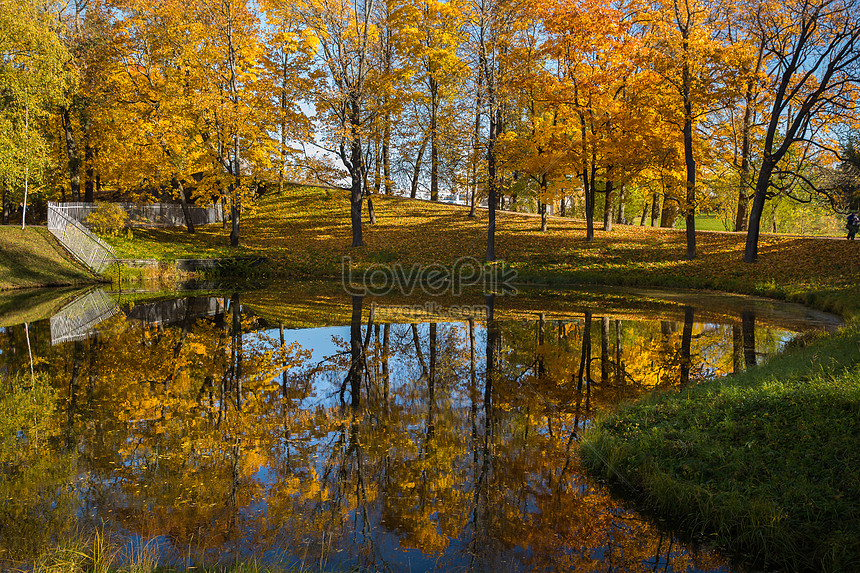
(76, 320)
(153, 215)
(78, 240)
(177, 310)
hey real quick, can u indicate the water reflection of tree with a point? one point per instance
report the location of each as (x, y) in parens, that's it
(206, 432)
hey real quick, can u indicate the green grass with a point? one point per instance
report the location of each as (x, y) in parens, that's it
(32, 258)
(767, 462)
(705, 223)
(98, 554)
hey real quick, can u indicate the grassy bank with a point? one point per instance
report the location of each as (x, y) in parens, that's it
(765, 462)
(32, 258)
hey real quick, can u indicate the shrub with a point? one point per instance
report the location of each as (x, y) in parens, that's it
(107, 219)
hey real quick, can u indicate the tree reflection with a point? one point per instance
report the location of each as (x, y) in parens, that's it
(456, 444)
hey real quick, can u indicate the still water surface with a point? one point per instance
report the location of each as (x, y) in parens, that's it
(309, 428)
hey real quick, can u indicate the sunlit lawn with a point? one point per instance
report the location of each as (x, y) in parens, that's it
(305, 233)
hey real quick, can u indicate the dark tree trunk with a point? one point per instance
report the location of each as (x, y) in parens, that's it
(386, 156)
(356, 369)
(413, 193)
(492, 344)
(476, 141)
(644, 214)
(584, 375)
(5, 205)
(541, 205)
(543, 218)
(431, 384)
(541, 367)
(495, 121)
(737, 349)
(90, 170)
(235, 210)
(655, 209)
(356, 172)
(74, 158)
(619, 354)
(183, 201)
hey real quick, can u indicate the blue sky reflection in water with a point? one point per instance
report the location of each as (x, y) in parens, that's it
(385, 448)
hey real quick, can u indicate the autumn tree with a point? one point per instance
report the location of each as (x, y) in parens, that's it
(32, 80)
(812, 70)
(230, 107)
(595, 56)
(286, 64)
(698, 71)
(153, 144)
(343, 98)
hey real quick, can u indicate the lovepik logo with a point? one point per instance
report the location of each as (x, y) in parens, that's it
(434, 279)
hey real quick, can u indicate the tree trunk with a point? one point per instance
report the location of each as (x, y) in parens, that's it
(542, 211)
(72, 154)
(491, 184)
(234, 219)
(356, 369)
(686, 338)
(604, 350)
(607, 207)
(748, 333)
(476, 140)
(417, 171)
(386, 155)
(670, 210)
(356, 161)
(5, 204)
(644, 214)
(434, 140)
(761, 187)
(621, 217)
(89, 170)
(655, 209)
(183, 201)
(371, 212)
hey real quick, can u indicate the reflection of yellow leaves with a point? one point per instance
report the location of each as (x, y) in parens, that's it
(196, 348)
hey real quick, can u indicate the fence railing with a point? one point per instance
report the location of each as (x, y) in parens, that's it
(79, 241)
(77, 320)
(150, 215)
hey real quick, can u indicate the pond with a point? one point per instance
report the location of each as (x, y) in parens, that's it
(305, 427)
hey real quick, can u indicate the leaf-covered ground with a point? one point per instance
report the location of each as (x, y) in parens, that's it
(305, 233)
